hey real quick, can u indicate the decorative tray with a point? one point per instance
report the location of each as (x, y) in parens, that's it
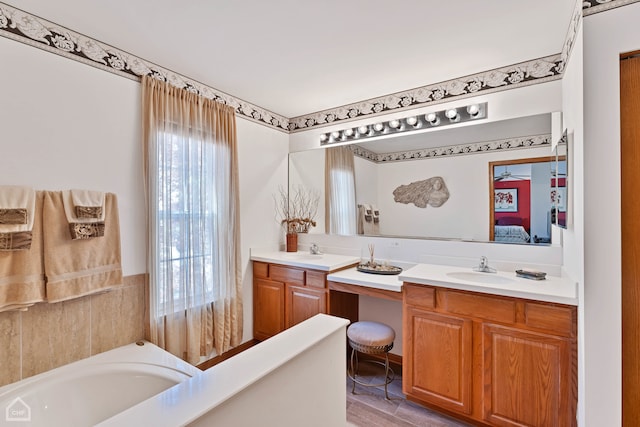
(379, 269)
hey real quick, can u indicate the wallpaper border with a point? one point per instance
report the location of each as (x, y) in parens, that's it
(532, 141)
(26, 28)
(23, 27)
(589, 7)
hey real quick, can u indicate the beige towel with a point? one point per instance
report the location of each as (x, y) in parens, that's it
(17, 205)
(79, 267)
(21, 272)
(87, 204)
(84, 222)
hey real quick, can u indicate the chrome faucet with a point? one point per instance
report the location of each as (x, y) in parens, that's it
(484, 266)
(314, 249)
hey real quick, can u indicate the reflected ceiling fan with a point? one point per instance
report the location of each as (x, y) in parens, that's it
(506, 175)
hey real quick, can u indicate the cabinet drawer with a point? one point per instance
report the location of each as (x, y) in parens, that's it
(555, 319)
(260, 269)
(316, 279)
(284, 274)
(484, 307)
(419, 296)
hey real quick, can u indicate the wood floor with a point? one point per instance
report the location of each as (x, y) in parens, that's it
(368, 407)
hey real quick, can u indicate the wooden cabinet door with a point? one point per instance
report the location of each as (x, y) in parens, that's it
(527, 378)
(438, 354)
(303, 303)
(268, 308)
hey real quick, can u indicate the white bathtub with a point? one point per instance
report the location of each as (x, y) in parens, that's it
(89, 391)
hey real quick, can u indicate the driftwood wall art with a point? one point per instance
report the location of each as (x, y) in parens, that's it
(432, 192)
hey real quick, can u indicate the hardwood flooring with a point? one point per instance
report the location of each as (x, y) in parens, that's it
(368, 407)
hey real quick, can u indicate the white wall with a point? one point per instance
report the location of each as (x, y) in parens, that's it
(306, 170)
(68, 125)
(606, 35)
(573, 236)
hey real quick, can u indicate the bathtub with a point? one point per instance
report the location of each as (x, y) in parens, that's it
(92, 390)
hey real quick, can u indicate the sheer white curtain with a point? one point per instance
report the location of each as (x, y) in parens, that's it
(191, 177)
(341, 212)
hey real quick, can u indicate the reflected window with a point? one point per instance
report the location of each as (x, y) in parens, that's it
(341, 191)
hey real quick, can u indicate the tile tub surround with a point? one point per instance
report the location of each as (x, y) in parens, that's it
(50, 335)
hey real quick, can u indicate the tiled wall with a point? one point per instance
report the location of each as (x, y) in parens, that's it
(50, 335)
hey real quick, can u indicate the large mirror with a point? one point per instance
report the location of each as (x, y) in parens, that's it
(454, 161)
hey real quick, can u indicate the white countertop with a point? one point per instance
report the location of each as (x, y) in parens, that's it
(553, 289)
(352, 276)
(323, 262)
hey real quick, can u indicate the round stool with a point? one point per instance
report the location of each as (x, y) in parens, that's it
(370, 338)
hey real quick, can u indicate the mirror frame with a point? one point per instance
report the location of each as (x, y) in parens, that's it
(551, 158)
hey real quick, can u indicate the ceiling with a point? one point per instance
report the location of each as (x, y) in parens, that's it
(295, 57)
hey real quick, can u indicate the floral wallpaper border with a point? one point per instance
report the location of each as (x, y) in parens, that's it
(589, 7)
(523, 74)
(32, 30)
(533, 141)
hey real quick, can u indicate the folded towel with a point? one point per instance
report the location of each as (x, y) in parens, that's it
(88, 204)
(85, 222)
(368, 213)
(22, 272)
(376, 214)
(17, 205)
(79, 267)
(360, 219)
(87, 216)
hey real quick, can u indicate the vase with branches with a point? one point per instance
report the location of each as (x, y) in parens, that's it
(296, 211)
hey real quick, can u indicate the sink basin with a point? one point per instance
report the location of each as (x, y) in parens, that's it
(301, 256)
(488, 278)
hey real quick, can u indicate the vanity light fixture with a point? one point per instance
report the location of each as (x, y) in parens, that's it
(473, 110)
(413, 123)
(433, 119)
(452, 115)
(394, 124)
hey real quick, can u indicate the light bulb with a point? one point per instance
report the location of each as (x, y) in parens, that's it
(335, 135)
(412, 121)
(473, 110)
(395, 124)
(363, 130)
(348, 132)
(378, 127)
(324, 137)
(433, 119)
(451, 113)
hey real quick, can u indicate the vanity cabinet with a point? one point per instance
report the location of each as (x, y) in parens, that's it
(284, 296)
(492, 360)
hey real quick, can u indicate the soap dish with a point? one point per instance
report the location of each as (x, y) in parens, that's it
(531, 274)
